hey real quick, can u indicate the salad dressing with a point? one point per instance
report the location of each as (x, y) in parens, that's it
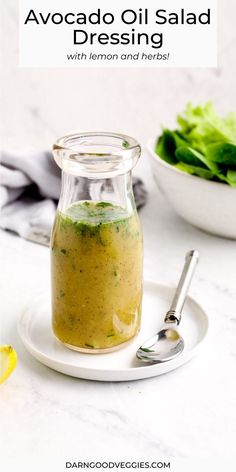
(96, 256)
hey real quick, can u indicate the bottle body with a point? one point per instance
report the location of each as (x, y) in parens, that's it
(96, 264)
(96, 281)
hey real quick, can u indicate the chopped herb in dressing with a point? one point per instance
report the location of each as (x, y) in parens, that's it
(97, 287)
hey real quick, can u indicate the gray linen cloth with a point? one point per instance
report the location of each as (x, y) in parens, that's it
(29, 191)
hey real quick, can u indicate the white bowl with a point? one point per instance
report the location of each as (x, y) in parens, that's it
(211, 206)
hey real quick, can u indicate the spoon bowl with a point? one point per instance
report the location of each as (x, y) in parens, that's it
(164, 346)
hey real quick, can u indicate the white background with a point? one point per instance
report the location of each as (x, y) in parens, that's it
(48, 45)
(38, 105)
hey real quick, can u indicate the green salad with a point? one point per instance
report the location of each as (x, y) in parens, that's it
(203, 144)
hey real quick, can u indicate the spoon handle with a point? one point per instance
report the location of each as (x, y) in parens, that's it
(174, 313)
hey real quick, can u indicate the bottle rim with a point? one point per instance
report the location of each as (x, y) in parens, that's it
(79, 143)
(96, 153)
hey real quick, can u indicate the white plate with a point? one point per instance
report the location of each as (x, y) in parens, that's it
(35, 330)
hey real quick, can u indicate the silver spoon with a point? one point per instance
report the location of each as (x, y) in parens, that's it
(167, 343)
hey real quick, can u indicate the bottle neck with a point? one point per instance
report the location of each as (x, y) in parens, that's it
(117, 190)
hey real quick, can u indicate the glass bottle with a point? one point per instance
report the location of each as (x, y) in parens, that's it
(96, 244)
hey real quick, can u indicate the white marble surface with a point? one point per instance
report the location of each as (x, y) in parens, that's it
(187, 413)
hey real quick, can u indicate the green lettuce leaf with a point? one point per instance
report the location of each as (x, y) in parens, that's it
(190, 156)
(223, 153)
(231, 177)
(194, 170)
(204, 144)
(165, 147)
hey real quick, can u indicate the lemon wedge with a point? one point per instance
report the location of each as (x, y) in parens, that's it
(8, 361)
